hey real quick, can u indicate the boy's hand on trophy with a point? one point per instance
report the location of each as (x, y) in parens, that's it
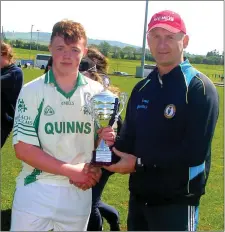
(108, 134)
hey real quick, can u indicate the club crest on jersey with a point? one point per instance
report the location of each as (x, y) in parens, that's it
(170, 111)
(48, 111)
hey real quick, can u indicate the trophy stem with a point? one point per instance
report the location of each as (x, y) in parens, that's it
(102, 155)
(103, 146)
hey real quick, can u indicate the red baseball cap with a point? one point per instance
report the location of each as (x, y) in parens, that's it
(168, 20)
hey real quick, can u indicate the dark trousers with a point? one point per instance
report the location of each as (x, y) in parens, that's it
(95, 220)
(171, 217)
(110, 214)
(103, 211)
(100, 209)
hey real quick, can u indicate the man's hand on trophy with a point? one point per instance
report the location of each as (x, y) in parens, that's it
(125, 165)
(107, 134)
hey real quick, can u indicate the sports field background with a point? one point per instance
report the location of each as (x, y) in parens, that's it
(116, 191)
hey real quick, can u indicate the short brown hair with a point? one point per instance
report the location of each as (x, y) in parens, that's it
(102, 63)
(102, 66)
(71, 31)
(6, 50)
(96, 77)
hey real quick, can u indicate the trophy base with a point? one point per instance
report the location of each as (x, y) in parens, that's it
(101, 158)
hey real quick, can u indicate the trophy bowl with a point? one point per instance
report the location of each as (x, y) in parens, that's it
(105, 106)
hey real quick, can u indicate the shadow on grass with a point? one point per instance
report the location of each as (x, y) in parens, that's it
(5, 219)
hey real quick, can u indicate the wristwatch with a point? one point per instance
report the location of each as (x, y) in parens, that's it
(139, 166)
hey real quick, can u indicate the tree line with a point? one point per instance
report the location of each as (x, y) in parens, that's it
(128, 52)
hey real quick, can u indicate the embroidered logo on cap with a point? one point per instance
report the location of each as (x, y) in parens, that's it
(164, 18)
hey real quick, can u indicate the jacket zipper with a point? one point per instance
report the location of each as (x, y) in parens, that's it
(160, 81)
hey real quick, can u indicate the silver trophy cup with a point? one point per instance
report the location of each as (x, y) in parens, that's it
(105, 109)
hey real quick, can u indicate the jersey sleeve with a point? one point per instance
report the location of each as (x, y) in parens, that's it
(26, 113)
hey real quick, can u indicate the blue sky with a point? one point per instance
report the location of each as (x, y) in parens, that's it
(119, 20)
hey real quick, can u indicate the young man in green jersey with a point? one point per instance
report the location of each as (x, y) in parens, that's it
(54, 139)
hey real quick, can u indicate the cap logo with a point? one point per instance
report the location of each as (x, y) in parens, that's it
(170, 111)
(164, 18)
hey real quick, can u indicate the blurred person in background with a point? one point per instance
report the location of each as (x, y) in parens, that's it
(11, 84)
(49, 65)
(95, 66)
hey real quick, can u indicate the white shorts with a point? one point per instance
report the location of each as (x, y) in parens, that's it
(43, 207)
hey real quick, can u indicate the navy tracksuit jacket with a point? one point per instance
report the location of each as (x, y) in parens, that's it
(170, 127)
(11, 84)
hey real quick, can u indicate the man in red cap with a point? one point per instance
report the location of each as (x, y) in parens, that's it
(165, 141)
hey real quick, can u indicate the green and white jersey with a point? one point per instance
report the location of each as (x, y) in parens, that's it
(55, 121)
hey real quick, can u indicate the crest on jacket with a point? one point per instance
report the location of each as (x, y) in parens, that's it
(170, 111)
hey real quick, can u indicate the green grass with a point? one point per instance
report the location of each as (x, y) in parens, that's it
(26, 54)
(116, 190)
(212, 204)
(128, 66)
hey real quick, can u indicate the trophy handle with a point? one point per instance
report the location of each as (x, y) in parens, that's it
(88, 106)
(123, 99)
(97, 124)
(106, 82)
(87, 100)
(91, 109)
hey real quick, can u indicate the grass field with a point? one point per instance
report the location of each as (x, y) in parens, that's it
(116, 191)
(128, 66)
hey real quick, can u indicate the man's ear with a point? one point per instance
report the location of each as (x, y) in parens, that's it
(185, 41)
(50, 48)
(85, 52)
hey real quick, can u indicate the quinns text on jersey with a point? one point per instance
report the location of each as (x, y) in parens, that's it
(57, 127)
(67, 127)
